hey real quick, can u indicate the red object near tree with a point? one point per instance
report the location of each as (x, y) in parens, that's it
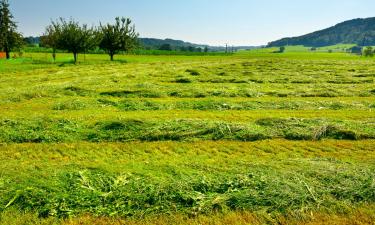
(2, 55)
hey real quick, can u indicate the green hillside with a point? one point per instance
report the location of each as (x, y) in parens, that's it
(358, 31)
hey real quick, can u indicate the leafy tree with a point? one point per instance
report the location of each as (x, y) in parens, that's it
(74, 38)
(206, 49)
(368, 52)
(356, 50)
(10, 39)
(282, 49)
(166, 47)
(51, 38)
(120, 36)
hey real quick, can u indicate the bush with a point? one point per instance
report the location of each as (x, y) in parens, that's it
(368, 52)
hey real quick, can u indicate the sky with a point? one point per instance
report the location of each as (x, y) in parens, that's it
(213, 22)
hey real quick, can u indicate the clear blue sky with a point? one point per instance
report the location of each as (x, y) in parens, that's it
(215, 22)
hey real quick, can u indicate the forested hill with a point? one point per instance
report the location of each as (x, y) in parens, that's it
(154, 42)
(357, 31)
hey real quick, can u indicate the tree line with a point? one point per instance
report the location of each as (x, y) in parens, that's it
(10, 39)
(69, 35)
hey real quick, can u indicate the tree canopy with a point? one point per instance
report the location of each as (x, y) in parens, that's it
(50, 38)
(71, 36)
(120, 36)
(10, 39)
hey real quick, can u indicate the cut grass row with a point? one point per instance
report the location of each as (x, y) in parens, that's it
(195, 77)
(122, 130)
(147, 91)
(272, 179)
(66, 105)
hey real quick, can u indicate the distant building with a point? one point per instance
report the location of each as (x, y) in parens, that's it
(2, 55)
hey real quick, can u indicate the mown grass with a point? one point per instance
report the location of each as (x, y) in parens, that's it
(253, 137)
(63, 130)
(144, 179)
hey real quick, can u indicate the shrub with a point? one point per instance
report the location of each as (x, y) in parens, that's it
(368, 52)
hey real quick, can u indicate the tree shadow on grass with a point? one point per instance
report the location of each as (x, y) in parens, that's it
(122, 61)
(63, 63)
(67, 63)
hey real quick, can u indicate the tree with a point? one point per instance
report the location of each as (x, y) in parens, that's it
(10, 39)
(356, 50)
(282, 49)
(50, 38)
(74, 38)
(120, 36)
(191, 49)
(166, 47)
(206, 49)
(368, 52)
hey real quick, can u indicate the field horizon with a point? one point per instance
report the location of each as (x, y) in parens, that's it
(253, 137)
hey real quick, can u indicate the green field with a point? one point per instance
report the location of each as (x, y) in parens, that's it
(249, 138)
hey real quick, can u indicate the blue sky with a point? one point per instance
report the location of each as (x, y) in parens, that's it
(215, 22)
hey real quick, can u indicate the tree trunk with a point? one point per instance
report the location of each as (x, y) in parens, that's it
(75, 57)
(111, 56)
(54, 55)
(7, 53)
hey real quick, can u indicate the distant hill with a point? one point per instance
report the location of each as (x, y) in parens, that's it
(32, 40)
(154, 43)
(357, 31)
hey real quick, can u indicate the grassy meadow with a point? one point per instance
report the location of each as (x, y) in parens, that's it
(253, 137)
